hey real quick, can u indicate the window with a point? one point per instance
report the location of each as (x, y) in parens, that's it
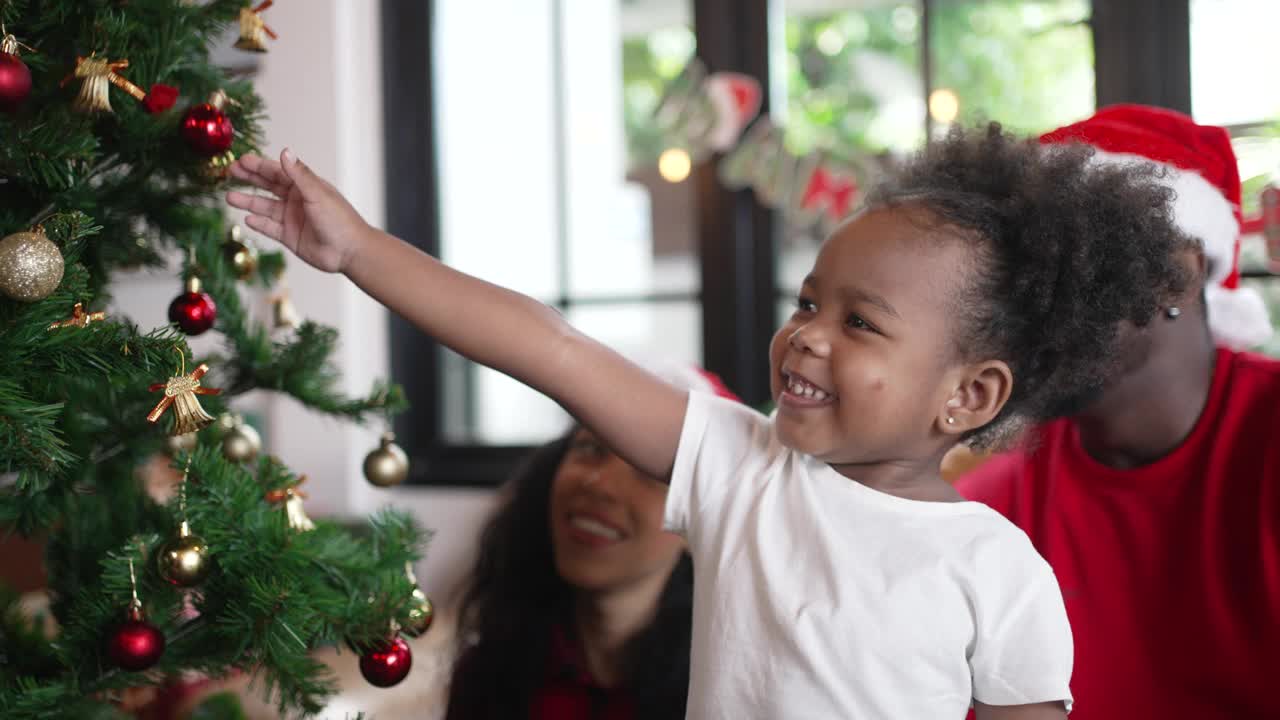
(547, 194)
(865, 81)
(1231, 44)
(526, 132)
(546, 180)
(1232, 51)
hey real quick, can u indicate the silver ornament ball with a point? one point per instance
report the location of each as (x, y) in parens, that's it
(181, 443)
(241, 444)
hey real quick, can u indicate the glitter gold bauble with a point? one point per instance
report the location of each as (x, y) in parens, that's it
(421, 613)
(218, 168)
(30, 266)
(185, 560)
(241, 443)
(387, 465)
(241, 257)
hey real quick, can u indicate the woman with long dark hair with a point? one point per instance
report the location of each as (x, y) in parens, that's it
(580, 604)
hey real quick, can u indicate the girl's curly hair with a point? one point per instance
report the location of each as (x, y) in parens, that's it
(1066, 249)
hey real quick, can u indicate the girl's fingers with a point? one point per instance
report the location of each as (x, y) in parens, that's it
(301, 176)
(266, 226)
(269, 169)
(258, 180)
(256, 204)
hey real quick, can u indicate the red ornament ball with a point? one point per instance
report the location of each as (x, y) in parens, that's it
(15, 81)
(207, 130)
(193, 312)
(387, 664)
(136, 644)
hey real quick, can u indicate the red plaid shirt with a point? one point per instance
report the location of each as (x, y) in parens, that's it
(568, 691)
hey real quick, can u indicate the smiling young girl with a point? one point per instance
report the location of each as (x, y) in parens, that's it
(838, 574)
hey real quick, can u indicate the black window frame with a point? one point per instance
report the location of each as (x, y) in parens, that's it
(1141, 51)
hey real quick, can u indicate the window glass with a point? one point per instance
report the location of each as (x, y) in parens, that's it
(550, 183)
(1233, 57)
(1025, 64)
(855, 83)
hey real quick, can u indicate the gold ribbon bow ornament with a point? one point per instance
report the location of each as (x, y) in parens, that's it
(253, 27)
(292, 497)
(180, 391)
(79, 318)
(97, 74)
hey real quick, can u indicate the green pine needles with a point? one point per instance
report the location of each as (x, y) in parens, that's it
(118, 191)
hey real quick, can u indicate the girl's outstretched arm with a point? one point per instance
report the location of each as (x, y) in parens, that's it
(636, 413)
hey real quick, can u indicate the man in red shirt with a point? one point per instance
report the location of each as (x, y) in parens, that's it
(1158, 506)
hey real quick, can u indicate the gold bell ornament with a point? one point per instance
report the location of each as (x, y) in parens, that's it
(253, 28)
(284, 316)
(180, 392)
(292, 498)
(97, 75)
(387, 465)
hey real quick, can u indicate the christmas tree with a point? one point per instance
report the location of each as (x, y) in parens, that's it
(116, 132)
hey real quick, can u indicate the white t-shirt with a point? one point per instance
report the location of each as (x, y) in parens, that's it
(818, 597)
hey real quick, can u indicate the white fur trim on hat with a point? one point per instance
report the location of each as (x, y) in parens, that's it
(1199, 209)
(1238, 318)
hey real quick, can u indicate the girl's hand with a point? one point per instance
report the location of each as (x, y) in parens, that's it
(307, 215)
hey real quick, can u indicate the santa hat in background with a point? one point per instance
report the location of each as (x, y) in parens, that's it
(1201, 169)
(689, 377)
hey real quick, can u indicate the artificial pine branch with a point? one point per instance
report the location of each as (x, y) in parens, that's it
(116, 192)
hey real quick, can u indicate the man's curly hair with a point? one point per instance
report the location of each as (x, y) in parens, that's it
(1066, 250)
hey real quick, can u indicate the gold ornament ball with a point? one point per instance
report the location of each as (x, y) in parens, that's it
(30, 266)
(420, 614)
(387, 465)
(241, 444)
(184, 561)
(242, 258)
(184, 443)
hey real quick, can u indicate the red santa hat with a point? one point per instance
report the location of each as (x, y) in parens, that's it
(692, 377)
(688, 377)
(1201, 169)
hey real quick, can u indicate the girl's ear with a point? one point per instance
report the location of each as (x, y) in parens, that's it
(977, 399)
